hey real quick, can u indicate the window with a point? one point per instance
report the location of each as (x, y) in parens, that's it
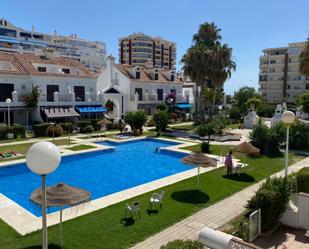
(50, 89)
(172, 77)
(66, 70)
(156, 76)
(307, 86)
(272, 61)
(42, 69)
(139, 91)
(137, 75)
(6, 91)
(79, 93)
(289, 86)
(160, 94)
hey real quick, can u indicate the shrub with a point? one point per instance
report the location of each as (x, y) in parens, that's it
(183, 244)
(302, 180)
(205, 130)
(258, 135)
(161, 121)
(205, 147)
(220, 123)
(3, 131)
(67, 127)
(242, 229)
(18, 130)
(235, 113)
(161, 107)
(151, 122)
(54, 130)
(299, 136)
(136, 120)
(95, 125)
(272, 199)
(275, 136)
(266, 110)
(87, 129)
(40, 129)
(83, 123)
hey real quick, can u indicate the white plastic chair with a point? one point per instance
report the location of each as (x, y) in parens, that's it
(156, 199)
(238, 168)
(132, 209)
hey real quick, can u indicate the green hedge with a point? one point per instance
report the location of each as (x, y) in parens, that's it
(54, 131)
(40, 129)
(183, 244)
(302, 179)
(17, 129)
(87, 129)
(67, 127)
(83, 123)
(272, 199)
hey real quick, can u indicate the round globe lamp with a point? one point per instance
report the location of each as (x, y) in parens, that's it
(43, 158)
(288, 118)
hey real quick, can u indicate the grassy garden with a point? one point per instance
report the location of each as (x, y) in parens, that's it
(107, 228)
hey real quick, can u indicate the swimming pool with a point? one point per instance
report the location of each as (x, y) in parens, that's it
(102, 172)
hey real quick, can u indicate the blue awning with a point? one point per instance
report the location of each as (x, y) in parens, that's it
(184, 106)
(10, 40)
(91, 109)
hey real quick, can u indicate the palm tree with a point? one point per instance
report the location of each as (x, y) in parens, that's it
(197, 60)
(304, 60)
(221, 68)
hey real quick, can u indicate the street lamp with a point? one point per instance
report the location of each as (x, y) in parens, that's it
(171, 104)
(288, 118)
(43, 158)
(8, 101)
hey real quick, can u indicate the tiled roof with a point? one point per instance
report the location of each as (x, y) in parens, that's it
(17, 67)
(145, 74)
(24, 66)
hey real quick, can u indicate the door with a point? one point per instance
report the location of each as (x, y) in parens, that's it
(50, 89)
(79, 93)
(139, 91)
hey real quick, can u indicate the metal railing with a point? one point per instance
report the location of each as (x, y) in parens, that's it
(239, 244)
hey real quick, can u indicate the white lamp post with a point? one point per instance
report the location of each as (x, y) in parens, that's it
(43, 158)
(171, 104)
(8, 101)
(288, 118)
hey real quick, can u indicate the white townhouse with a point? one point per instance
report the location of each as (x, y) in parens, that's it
(66, 87)
(132, 87)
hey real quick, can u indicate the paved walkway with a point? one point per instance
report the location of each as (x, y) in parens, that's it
(214, 216)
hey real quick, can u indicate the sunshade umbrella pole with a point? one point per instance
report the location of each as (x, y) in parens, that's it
(198, 176)
(60, 227)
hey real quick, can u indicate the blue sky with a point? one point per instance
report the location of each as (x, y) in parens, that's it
(247, 26)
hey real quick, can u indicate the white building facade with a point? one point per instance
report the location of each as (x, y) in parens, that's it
(141, 88)
(63, 84)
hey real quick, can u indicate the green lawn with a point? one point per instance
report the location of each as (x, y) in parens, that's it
(214, 149)
(105, 228)
(81, 147)
(23, 148)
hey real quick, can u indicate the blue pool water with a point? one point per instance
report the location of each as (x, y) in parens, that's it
(102, 172)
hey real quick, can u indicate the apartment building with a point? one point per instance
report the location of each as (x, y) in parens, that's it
(65, 87)
(132, 87)
(139, 49)
(279, 77)
(91, 54)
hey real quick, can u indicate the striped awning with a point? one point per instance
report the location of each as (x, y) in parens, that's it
(61, 112)
(91, 109)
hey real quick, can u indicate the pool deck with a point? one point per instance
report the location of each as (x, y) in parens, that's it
(25, 222)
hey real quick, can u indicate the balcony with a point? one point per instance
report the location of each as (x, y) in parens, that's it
(153, 98)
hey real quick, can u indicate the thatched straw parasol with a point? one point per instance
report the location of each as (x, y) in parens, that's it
(247, 149)
(61, 195)
(200, 160)
(104, 121)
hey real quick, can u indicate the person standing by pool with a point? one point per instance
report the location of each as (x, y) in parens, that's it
(229, 163)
